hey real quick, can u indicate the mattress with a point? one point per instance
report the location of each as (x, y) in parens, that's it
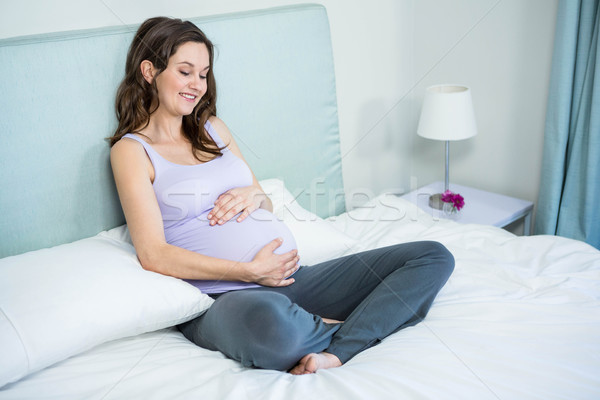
(518, 319)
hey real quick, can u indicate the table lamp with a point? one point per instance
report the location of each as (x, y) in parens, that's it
(447, 114)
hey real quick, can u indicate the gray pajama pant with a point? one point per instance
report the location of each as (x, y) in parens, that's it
(376, 293)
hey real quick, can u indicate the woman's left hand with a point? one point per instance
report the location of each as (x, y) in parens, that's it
(242, 200)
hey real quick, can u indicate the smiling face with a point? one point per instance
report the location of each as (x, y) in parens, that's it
(183, 82)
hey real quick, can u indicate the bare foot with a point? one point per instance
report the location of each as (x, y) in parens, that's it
(310, 363)
(331, 321)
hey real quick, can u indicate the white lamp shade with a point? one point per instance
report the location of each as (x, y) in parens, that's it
(447, 113)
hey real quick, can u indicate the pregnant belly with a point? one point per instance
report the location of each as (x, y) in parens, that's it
(236, 241)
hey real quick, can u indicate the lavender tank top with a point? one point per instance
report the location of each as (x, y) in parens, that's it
(186, 194)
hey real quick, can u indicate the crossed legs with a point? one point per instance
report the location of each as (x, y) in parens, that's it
(375, 293)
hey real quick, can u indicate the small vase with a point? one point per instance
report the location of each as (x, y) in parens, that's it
(450, 212)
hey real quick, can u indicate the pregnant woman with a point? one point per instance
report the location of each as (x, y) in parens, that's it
(195, 211)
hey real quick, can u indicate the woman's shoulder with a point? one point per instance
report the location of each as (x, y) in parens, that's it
(129, 158)
(127, 147)
(220, 127)
(223, 135)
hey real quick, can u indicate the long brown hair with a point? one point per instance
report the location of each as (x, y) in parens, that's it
(156, 40)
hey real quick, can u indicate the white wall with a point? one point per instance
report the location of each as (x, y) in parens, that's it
(386, 52)
(502, 50)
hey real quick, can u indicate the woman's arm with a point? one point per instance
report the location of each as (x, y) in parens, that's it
(133, 174)
(242, 200)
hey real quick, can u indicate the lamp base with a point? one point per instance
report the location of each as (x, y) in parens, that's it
(435, 201)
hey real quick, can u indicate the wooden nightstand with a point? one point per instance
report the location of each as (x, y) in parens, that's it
(481, 207)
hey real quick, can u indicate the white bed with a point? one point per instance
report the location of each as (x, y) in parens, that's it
(518, 319)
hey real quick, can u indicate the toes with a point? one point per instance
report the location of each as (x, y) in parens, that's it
(301, 368)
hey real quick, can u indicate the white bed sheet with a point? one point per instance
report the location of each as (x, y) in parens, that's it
(518, 319)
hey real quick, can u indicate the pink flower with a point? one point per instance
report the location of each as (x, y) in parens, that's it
(456, 199)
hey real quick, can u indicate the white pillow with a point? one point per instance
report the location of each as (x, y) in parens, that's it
(60, 301)
(317, 239)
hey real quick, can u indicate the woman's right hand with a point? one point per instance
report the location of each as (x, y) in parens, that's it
(270, 269)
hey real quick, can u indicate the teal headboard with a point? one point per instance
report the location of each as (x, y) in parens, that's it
(276, 91)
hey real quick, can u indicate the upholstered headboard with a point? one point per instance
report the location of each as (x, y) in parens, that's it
(276, 92)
